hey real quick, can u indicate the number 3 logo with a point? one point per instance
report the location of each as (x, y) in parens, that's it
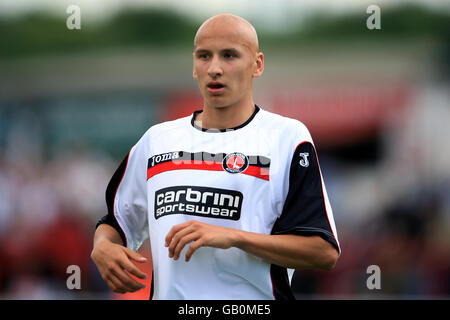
(304, 161)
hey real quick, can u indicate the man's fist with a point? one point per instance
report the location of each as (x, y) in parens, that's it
(114, 262)
(201, 235)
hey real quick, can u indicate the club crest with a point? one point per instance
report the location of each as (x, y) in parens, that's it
(235, 162)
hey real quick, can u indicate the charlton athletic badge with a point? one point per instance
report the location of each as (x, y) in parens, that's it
(235, 162)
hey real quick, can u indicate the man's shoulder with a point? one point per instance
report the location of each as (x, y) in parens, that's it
(169, 125)
(279, 122)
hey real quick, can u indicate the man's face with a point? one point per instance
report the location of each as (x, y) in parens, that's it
(225, 64)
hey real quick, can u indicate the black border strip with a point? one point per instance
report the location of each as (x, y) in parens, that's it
(110, 196)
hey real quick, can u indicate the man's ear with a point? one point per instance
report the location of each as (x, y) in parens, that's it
(259, 65)
(194, 74)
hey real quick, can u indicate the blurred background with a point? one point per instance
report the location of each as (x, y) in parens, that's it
(377, 102)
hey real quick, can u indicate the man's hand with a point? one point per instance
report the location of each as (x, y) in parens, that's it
(201, 234)
(114, 264)
(286, 250)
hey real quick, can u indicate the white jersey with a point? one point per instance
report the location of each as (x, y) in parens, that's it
(262, 176)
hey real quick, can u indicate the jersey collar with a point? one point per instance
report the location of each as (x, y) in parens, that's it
(257, 108)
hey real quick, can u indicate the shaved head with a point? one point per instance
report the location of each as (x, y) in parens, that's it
(226, 61)
(232, 27)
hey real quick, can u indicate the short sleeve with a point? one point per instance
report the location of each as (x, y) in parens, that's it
(306, 210)
(126, 199)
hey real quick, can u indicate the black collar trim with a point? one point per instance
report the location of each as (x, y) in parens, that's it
(223, 130)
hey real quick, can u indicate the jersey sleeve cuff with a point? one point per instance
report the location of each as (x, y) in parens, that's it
(113, 223)
(305, 231)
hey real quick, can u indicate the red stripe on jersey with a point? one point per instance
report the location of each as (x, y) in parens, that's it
(183, 165)
(257, 172)
(261, 173)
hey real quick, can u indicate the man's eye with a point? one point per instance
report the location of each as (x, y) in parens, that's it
(204, 56)
(228, 55)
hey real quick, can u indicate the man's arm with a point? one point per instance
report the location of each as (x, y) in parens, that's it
(113, 261)
(125, 226)
(291, 251)
(106, 232)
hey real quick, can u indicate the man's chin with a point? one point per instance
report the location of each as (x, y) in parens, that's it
(217, 102)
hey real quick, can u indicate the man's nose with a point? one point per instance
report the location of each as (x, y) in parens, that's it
(215, 68)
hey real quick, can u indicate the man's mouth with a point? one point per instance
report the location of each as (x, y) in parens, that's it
(215, 87)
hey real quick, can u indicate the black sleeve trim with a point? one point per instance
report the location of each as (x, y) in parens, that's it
(304, 211)
(110, 196)
(305, 231)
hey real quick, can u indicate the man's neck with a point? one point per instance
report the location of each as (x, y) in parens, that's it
(225, 117)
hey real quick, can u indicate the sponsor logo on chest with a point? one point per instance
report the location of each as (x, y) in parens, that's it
(198, 201)
(163, 158)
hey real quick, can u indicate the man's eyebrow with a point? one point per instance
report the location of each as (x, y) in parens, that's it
(202, 50)
(234, 50)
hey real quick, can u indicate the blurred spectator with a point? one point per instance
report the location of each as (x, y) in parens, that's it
(47, 223)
